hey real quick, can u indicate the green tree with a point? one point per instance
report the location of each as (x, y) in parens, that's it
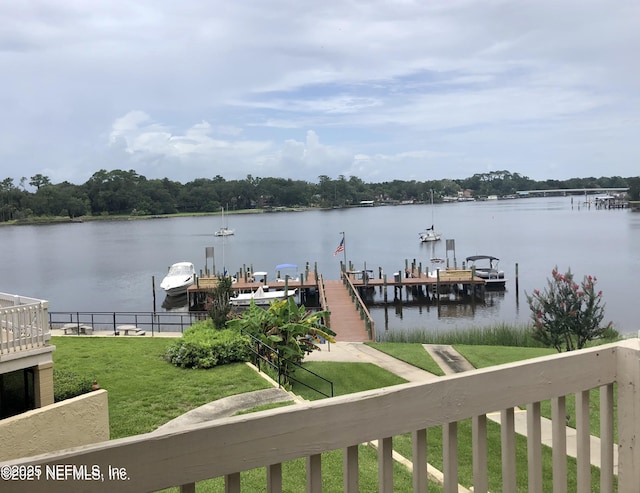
(634, 188)
(39, 181)
(567, 315)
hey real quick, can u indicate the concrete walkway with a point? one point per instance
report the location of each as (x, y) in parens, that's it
(226, 407)
(357, 352)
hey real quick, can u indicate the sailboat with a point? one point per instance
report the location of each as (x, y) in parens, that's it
(430, 234)
(224, 230)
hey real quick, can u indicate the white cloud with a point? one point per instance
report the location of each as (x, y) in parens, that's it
(174, 87)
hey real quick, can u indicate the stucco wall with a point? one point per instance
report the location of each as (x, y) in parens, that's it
(70, 423)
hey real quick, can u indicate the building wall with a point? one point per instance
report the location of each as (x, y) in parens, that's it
(44, 384)
(70, 423)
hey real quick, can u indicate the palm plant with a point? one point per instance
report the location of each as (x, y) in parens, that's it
(289, 330)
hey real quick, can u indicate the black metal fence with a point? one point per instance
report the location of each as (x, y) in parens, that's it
(153, 322)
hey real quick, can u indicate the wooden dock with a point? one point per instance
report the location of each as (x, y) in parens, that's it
(345, 317)
(349, 317)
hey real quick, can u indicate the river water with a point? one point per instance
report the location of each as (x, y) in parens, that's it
(111, 265)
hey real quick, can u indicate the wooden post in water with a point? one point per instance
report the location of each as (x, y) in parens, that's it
(384, 283)
(517, 279)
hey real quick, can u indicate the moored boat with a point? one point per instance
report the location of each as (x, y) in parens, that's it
(224, 230)
(486, 267)
(178, 279)
(429, 234)
(261, 297)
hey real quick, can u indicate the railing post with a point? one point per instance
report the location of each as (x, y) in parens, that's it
(350, 469)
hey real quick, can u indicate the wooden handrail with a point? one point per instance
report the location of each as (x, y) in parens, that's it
(324, 304)
(360, 305)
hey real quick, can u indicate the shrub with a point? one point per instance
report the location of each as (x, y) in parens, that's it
(567, 314)
(67, 384)
(201, 346)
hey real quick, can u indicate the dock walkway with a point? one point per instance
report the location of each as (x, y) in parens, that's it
(345, 318)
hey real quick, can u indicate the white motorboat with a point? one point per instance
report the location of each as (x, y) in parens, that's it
(224, 230)
(486, 267)
(261, 296)
(178, 279)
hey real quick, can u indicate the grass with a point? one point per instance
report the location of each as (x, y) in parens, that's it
(498, 335)
(347, 377)
(414, 354)
(144, 390)
(482, 356)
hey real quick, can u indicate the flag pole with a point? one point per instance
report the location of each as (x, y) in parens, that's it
(344, 251)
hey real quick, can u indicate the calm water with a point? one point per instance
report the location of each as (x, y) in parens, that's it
(109, 266)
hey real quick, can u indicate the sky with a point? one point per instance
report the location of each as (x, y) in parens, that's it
(381, 90)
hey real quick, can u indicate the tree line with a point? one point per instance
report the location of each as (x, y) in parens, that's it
(120, 192)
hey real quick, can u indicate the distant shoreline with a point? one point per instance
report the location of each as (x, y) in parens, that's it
(35, 221)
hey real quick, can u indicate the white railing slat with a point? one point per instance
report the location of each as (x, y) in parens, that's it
(479, 440)
(350, 469)
(508, 441)
(583, 442)
(314, 473)
(232, 483)
(559, 443)
(419, 455)
(606, 439)
(274, 478)
(534, 448)
(450, 457)
(385, 465)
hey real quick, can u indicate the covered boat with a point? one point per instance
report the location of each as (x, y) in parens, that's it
(486, 267)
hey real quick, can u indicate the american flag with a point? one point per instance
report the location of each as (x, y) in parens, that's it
(340, 248)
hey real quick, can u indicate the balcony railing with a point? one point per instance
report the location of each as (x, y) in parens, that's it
(24, 323)
(227, 446)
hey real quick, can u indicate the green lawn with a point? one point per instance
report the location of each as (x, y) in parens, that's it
(144, 390)
(411, 353)
(347, 378)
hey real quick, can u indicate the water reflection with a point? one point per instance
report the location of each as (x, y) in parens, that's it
(175, 304)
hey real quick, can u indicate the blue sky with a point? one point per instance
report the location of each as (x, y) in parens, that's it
(381, 90)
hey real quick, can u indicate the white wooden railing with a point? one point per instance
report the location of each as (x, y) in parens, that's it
(227, 446)
(24, 323)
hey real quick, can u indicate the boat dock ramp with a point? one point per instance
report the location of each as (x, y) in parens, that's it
(345, 298)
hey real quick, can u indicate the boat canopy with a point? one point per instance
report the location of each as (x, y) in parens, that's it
(286, 266)
(473, 258)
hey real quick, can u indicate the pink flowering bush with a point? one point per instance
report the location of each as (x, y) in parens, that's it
(567, 315)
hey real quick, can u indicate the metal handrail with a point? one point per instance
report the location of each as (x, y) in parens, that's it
(278, 367)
